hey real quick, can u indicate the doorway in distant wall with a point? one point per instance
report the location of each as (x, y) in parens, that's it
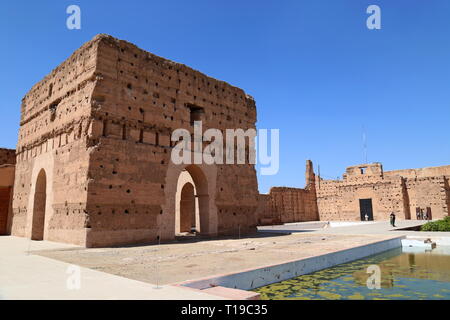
(429, 214)
(366, 209)
(40, 199)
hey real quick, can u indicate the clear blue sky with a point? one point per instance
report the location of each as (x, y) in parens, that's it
(317, 73)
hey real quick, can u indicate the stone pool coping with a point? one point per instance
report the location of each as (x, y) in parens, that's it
(236, 285)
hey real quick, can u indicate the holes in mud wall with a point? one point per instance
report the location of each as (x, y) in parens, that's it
(124, 132)
(129, 86)
(50, 89)
(105, 128)
(157, 138)
(80, 131)
(197, 113)
(52, 109)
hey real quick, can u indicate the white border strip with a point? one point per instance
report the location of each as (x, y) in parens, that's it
(256, 278)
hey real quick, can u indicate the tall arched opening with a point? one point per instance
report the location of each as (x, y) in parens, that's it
(40, 199)
(187, 208)
(192, 202)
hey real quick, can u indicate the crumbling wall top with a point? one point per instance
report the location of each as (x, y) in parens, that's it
(364, 170)
(124, 45)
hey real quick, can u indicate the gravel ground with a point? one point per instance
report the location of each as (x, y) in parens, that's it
(181, 261)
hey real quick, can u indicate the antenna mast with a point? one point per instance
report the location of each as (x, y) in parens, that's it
(364, 137)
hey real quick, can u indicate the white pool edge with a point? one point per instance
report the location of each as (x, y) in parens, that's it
(255, 278)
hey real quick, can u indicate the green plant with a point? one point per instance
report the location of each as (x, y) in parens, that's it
(440, 225)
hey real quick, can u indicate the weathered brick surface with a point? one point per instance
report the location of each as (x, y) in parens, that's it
(284, 205)
(54, 136)
(99, 126)
(400, 191)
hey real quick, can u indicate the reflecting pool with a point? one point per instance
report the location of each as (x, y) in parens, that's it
(406, 274)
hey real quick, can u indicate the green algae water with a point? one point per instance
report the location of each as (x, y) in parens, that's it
(405, 275)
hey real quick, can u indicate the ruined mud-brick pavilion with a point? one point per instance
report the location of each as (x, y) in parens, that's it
(93, 154)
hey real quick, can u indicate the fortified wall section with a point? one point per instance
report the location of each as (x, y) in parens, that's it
(285, 205)
(401, 191)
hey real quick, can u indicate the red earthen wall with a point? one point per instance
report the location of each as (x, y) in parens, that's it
(99, 126)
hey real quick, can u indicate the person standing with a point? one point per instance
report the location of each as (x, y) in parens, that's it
(429, 216)
(392, 219)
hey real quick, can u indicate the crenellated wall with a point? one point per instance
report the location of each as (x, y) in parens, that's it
(400, 191)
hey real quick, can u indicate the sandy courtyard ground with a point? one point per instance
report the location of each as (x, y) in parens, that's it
(181, 261)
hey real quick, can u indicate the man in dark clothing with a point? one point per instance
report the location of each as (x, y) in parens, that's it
(392, 218)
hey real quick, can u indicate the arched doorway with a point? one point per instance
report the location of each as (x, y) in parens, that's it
(192, 202)
(187, 208)
(40, 199)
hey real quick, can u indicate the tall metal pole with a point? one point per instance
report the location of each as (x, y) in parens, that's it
(364, 145)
